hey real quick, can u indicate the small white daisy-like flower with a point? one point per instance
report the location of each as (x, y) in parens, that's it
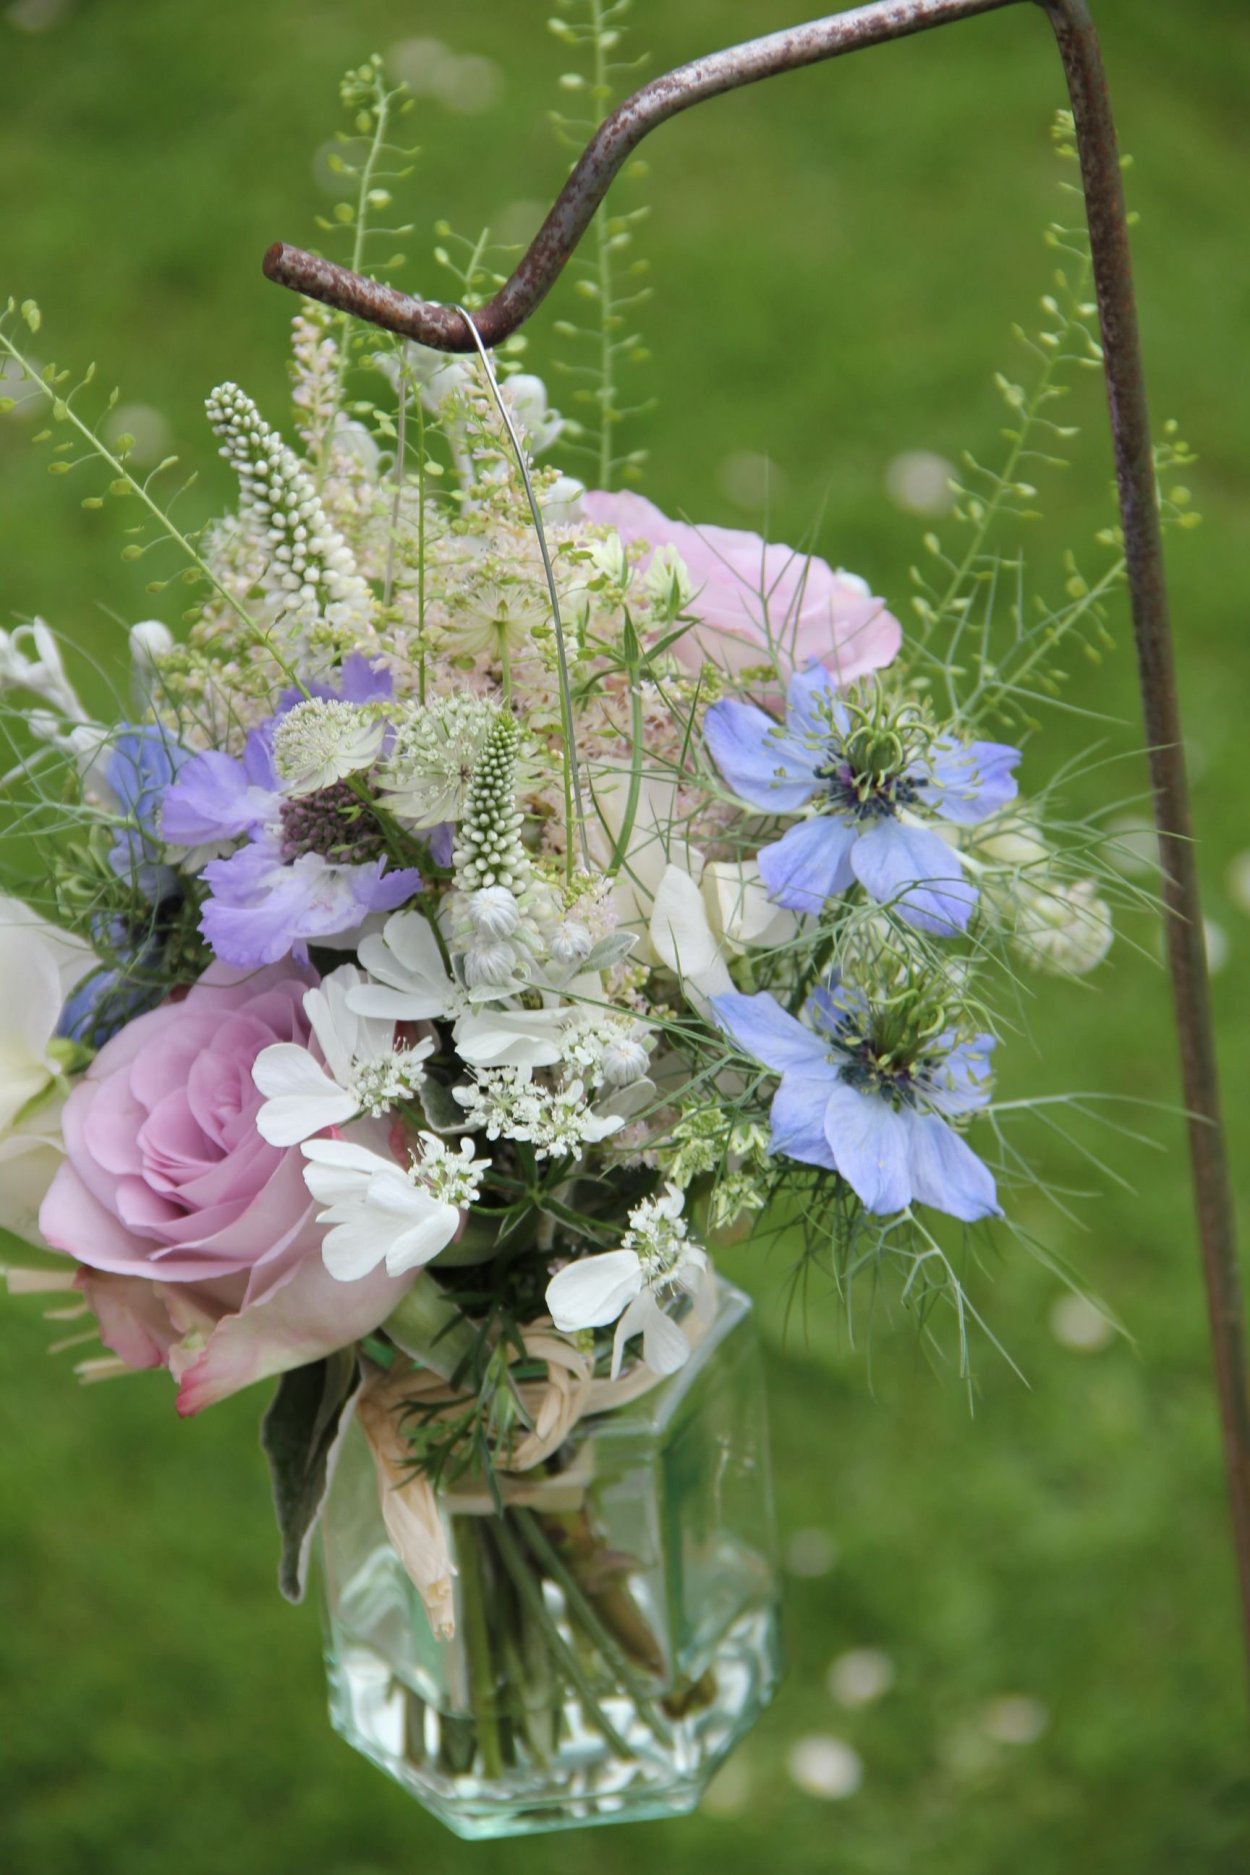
(452, 1177)
(656, 1262)
(408, 980)
(322, 741)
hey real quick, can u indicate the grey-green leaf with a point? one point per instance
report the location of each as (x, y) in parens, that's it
(300, 1435)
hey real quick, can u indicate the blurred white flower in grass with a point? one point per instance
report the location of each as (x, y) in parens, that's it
(810, 1554)
(37, 16)
(150, 434)
(1216, 943)
(823, 1766)
(462, 81)
(1077, 1323)
(859, 1677)
(750, 480)
(1237, 880)
(919, 482)
(1014, 1719)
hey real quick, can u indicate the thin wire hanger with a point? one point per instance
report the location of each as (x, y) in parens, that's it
(448, 328)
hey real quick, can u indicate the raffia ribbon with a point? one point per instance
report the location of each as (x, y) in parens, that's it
(553, 1407)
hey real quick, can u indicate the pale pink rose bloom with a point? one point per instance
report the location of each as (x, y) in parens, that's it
(746, 590)
(200, 1248)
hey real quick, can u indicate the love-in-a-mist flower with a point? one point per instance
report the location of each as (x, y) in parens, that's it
(868, 1090)
(871, 775)
(656, 1264)
(364, 1072)
(377, 1212)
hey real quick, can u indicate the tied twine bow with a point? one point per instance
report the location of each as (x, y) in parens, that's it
(413, 1511)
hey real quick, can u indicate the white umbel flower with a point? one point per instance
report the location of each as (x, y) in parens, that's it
(376, 1211)
(322, 741)
(364, 1073)
(656, 1262)
(425, 779)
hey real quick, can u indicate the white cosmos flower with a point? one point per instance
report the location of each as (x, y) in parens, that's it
(656, 1260)
(375, 1211)
(409, 980)
(363, 1072)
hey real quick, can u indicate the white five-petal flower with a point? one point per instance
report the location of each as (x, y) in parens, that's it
(625, 1286)
(375, 1211)
(409, 982)
(363, 1072)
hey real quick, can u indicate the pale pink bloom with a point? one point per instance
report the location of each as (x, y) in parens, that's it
(201, 1249)
(757, 601)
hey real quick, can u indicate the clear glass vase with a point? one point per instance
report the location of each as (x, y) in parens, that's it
(616, 1623)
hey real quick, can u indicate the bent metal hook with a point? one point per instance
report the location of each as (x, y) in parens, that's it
(446, 329)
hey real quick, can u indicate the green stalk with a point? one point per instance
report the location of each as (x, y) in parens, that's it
(482, 1681)
(587, 1616)
(428, 1326)
(530, 1590)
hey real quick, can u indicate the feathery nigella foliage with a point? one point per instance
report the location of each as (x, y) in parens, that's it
(539, 958)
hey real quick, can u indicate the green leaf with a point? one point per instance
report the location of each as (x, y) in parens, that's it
(300, 1435)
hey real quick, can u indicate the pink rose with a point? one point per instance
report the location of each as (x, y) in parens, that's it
(201, 1251)
(815, 616)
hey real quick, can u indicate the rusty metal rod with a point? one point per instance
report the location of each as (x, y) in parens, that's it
(446, 329)
(1183, 926)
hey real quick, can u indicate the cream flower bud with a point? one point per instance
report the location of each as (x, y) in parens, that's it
(668, 583)
(571, 942)
(624, 1061)
(494, 912)
(489, 966)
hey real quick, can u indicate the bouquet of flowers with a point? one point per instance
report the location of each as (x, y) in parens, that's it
(502, 894)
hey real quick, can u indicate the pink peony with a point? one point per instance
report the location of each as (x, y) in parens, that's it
(815, 616)
(200, 1247)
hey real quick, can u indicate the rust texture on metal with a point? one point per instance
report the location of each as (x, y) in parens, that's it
(446, 329)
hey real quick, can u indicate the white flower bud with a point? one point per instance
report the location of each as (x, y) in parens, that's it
(1065, 929)
(571, 943)
(493, 912)
(624, 1061)
(489, 966)
(668, 583)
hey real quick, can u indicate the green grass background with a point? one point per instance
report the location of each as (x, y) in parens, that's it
(837, 260)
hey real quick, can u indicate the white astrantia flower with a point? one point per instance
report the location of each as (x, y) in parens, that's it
(425, 779)
(409, 981)
(656, 1263)
(322, 740)
(379, 1212)
(507, 1103)
(364, 1072)
(668, 583)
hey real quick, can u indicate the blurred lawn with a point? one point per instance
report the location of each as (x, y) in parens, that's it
(838, 258)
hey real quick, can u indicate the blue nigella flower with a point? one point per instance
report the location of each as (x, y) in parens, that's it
(115, 994)
(142, 764)
(872, 779)
(868, 1095)
(311, 867)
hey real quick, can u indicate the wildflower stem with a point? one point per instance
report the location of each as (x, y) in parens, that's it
(575, 817)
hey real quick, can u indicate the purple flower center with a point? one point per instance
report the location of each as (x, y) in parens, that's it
(866, 796)
(334, 823)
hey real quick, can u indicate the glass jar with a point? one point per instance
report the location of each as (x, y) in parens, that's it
(616, 1619)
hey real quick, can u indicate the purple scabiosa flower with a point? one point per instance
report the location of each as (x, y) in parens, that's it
(265, 906)
(872, 777)
(313, 866)
(867, 1091)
